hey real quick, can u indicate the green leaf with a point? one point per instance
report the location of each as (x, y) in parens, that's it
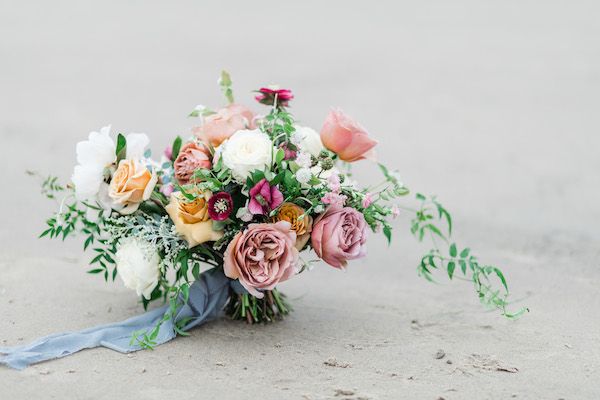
(501, 277)
(419, 196)
(225, 82)
(176, 148)
(453, 250)
(121, 150)
(95, 271)
(463, 266)
(279, 156)
(465, 252)
(451, 267)
(387, 231)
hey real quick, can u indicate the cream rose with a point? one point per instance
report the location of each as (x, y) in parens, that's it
(138, 265)
(246, 151)
(308, 140)
(191, 219)
(131, 184)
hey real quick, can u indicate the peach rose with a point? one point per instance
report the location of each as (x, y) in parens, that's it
(191, 219)
(191, 157)
(291, 213)
(220, 126)
(342, 135)
(262, 256)
(131, 184)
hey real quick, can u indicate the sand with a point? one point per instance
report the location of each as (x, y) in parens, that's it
(493, 107)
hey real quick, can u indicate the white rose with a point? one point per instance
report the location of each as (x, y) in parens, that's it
(307, 139)
(246, 151)
(138, 265)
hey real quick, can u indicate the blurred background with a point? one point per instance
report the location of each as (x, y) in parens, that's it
(493, 106)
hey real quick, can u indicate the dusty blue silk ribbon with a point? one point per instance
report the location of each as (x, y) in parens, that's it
(207, 298)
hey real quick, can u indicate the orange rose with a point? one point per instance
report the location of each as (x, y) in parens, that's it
(131, 184)
(191, 219)
(291, 213)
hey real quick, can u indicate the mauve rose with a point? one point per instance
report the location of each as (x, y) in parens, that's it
(262, 256)
(342, 135)
(191, 157)
(225, 122)
(339, 235)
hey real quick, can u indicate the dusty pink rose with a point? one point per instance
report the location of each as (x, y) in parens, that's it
(264, 198)
(342, 135)
(220, 126)
(192, 156)
(262, 256)
(339, 235)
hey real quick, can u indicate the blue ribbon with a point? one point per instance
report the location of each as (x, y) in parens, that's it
(207, 298)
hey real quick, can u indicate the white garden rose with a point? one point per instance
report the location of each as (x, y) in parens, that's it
(246, 151)
(138, 265)
(308, 140)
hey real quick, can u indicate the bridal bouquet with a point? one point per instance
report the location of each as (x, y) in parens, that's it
(247, 201)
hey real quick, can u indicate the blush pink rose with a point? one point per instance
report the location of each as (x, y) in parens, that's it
(342, 135)
(191, 157)
(220, 126)
(339, 235)
(262, 256)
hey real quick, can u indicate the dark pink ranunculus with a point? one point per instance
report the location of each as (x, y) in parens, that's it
(220, 206)
(267, 96)
(191, 157)
(262, 256)
(345, 137)
(339, 235)
(264, 198)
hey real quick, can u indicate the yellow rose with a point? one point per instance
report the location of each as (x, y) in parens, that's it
(291, 213)
(131, 184)
(191, 219)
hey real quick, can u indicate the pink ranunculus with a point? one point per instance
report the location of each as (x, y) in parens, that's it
(339, 235)
(266, 95)
(262, 256)
(192, 156)
(220, 126)
(264, 198)
(342, 135)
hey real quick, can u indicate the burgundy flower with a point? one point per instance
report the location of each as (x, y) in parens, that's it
(220, 206)
(267, 96)
(264, 198)
(289, 153)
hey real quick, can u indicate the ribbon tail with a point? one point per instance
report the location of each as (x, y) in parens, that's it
(207, 297)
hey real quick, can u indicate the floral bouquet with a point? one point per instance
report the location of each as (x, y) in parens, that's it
(248, 201)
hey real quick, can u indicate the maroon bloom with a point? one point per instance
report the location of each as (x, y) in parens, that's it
(220, 206)
(267, 95)
(289, 153)
(264, 198)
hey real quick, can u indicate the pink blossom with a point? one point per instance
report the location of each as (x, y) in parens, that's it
(289, 154)
(264, 198)
(395, 211)
(168, 152)
(367, 200)
(334, 199)
(225, 122)
(333, 182)
(167, 189)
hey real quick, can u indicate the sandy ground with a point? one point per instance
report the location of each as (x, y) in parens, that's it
(492, 106)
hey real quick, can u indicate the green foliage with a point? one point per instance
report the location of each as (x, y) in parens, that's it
(121, 149)
(225, 83)
(175, 148)
(425, 223)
